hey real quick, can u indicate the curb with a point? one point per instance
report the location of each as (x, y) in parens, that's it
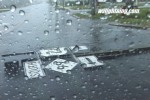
(4, 10)
(75, 16)
(129, 26)
(61, 7)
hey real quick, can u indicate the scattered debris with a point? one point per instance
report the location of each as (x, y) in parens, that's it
(77, 48)
(33, 69)
(90, 61)
(53, 52)
(61, 65)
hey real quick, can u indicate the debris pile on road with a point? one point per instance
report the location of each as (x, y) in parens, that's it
(57, 60)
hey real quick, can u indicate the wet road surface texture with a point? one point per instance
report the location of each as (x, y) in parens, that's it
(42, 26)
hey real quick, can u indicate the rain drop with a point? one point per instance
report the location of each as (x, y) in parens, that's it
(46, 32)
(37, 38)
(83, 86)
(68, 12)
(28, 46)
(2, 60)
(131, 44)
(6, 28)
(146, 89)
(0, 34)
(69, 71)
(6, 94)
(57, 78)
(57, 25)
(12, 16)
(136, 16)
(20, 33)
(14, 61)
(45, 84)
(26, 21)
(50, 26)
(31, 1)
(52, 98)
(138, 87)
(69, 22)
(21, 12)
(57, 30)
(148, 15)
(74, 96)
(20, 94)
(13, 8)
(26, 78)
(57, 11)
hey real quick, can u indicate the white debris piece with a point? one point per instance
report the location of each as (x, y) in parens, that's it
(53, 52)
(61, 65)
(33, 69)
(80, 48)
(90, 61)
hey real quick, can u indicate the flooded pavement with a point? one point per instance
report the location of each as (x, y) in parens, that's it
(41, 26)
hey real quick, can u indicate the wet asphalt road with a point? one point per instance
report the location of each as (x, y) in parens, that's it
(124, 78)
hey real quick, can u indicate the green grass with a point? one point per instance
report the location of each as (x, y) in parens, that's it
(141, 4)
(82, 16)
(102, 5)
(138, 22)
(97, 16)
(140, 19)
(79, 7)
